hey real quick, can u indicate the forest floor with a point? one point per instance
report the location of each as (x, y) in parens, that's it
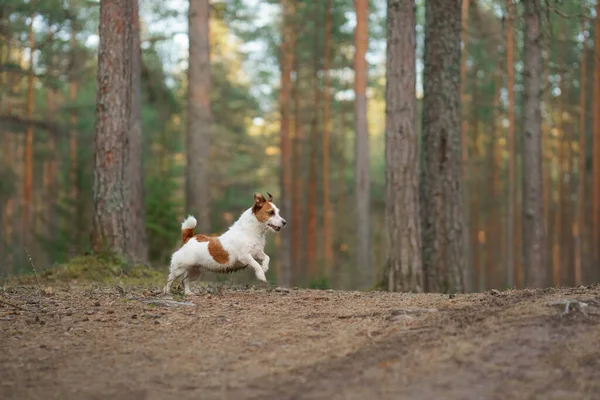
(106, 342)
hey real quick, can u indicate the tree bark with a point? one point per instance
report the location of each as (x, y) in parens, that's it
(327, 234)
(534, 232)
(511, 264)
(311, 240)
(596, 148)
(26, 230)
(112, 197)
(50, 181)
(139, 238)
(288, 44)
(297, 179)
(362, 178)
(73, 191)
(404, 268)
(557, 249)
(580, 221)
(443, 238)
(471, 262)
(199, 114)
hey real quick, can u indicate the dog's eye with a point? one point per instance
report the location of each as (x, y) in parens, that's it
(271, 212)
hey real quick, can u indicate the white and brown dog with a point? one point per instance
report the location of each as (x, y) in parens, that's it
(241, 246)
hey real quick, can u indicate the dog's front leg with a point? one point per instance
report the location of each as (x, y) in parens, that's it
(258, 270)
(265, 261)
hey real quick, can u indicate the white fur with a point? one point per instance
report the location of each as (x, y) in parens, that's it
(189, 223)
(244, 241)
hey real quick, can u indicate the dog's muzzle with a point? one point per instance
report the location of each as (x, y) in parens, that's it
(275, 228)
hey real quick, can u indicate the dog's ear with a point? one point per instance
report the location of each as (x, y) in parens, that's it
(259, 200)
(270, 197)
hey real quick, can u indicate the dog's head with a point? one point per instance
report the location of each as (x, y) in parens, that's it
(267, 212)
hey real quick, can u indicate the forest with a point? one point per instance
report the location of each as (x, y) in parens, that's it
(437, 163)
(479, 179)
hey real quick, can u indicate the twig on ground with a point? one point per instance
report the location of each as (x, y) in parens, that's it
(169, 303)
(12, 305)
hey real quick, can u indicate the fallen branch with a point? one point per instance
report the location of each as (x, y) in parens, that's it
(12, 305)
(169, 303)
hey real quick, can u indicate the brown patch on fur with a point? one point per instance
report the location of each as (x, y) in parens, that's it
(261, 208)
(217, 252)
(187, 234)
(202, 238)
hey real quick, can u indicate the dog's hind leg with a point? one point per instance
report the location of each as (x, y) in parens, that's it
(170, 280)
(186, 284)
(174, 274)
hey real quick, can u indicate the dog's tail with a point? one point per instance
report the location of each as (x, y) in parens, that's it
(187, 229)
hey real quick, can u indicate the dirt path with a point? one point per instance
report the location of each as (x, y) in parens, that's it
(244, 344)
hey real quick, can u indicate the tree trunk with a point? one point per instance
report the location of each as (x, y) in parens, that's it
(493, 237)
(404, 269)
(468, 180)
(443, 238)
(199, 114)
(298, 180)
(139, 238)
(26, 229)
(50, 181)
(112, 220)
(73, 195)
(327, 234)
(534, 232)
(596, 148)
(362, 178)
(511, 265)
(311, 240)
(473, 226)
(288, 44)
(580, 221)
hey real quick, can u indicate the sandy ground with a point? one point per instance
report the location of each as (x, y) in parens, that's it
(110, 343)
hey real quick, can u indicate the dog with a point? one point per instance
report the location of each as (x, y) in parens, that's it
(240, 247)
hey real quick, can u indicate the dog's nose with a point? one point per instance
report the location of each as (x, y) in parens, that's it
(284, 222)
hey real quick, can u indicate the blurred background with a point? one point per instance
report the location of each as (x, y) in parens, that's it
(48, 76)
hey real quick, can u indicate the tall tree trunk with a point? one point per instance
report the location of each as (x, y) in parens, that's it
(404, 269)
(443, 238)
(362, 178)
(50, 182)
(534, 232)
(548, 159)
(199, 114)
(10, 159)
(327, 234)
(297, 178)
(596, 147)
(26, 230)
(73, 190)
(580, 221)
(112, 220)
(558, 211)
(468, 181)
(139, 239)
(511, 265)
(288, 45)
(473, 210)
(311, 240)
(493, 237)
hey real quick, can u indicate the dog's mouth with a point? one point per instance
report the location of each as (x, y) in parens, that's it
(275, 228)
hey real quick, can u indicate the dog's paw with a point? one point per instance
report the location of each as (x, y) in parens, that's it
(265, 267)
(262, 277)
